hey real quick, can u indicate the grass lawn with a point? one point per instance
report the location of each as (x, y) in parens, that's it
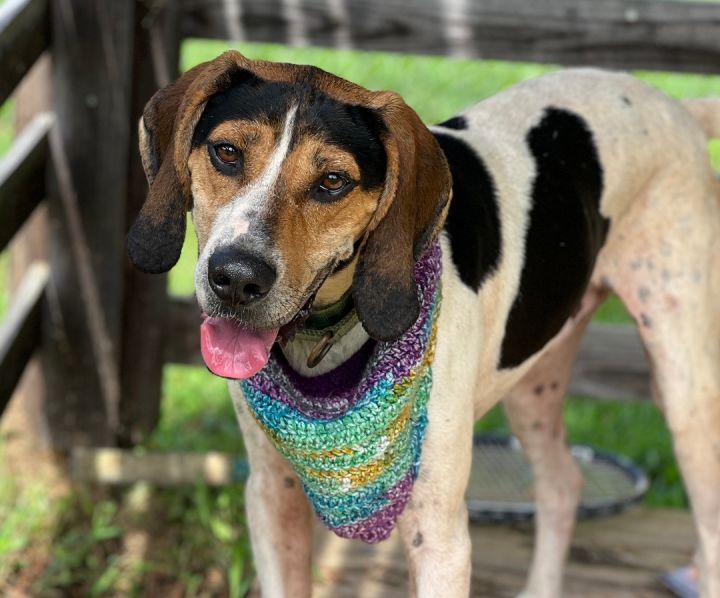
(197, 535)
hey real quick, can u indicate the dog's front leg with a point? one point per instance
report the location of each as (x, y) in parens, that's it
(434, 527)
(278, 513)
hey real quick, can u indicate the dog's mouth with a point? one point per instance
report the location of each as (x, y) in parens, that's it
(234, 351)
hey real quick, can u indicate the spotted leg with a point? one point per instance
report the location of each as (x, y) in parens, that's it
(534, 408)
(434, 526)
(679, 326)
(665, 266)
(278, 513)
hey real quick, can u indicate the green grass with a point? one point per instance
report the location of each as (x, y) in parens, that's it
(197, 531)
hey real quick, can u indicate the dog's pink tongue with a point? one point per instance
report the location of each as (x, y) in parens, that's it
(234, 352)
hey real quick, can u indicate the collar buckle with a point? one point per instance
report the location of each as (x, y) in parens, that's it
(320, 350)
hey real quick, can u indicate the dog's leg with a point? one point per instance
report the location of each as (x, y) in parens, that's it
(670, 285)
(434, 526)
(534, 408)
(278, 513)
(685, 363)
(686, 381)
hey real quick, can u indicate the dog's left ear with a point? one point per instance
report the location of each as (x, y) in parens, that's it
(166, 128)
(411, 210)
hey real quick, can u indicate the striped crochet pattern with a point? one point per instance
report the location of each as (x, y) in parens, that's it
(354, 435)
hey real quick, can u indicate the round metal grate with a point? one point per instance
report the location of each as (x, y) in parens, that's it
(501, 482)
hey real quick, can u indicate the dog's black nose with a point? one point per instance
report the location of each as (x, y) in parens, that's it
(238, 277)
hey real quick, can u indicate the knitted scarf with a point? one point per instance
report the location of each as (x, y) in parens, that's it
(354, 434)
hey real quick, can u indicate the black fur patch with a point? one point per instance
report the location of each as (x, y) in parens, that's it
(458, 123)
(356, 129)
(155, 248)
(385, 306)
(565, 233)
(473, 222)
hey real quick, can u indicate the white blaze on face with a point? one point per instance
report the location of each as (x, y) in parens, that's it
(232, 221)
(256, 194)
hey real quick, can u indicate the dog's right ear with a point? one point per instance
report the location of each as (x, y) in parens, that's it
(166, 128)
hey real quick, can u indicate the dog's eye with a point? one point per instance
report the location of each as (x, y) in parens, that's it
(226, 158)
(332, 186)
(333, 182)
(227, 153)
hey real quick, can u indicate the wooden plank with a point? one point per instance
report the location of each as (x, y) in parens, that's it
(611, 362)
(22, 176)
(123, 467)
(24, 424)
(626, 34)
(182, 332)
(20, 330)
(92, 68)
(24, 35)
(615, 556)
(155, 64)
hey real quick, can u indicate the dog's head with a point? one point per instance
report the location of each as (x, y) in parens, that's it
(296, 179)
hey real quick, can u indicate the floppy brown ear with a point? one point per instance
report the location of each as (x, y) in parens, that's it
(411, 211)
(166, 128)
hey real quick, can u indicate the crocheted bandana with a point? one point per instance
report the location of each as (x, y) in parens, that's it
(354, 434)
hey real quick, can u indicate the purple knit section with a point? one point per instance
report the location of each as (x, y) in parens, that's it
(379, 526)
(344, 379)
(328, 396)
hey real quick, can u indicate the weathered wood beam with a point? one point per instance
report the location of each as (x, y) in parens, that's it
(24, 35)
(117, 466)
(625, 34)
(611, 362)
(182, 332)
(155, 64)
(92, 49)
(22, 176)
(20, 330)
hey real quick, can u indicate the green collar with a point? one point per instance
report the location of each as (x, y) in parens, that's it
(338, 318)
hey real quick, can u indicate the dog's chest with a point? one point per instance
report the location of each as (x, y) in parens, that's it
(354, 434)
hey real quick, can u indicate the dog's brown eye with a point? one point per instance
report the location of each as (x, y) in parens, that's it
(333, 182)
(227, 153)
(331, 187)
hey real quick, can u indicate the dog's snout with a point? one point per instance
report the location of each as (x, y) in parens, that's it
(238, 277)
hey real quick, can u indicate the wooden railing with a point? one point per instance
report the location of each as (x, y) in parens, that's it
(24, 35)
(625, 34)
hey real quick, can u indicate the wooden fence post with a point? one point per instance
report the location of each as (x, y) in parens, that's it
(155, 64)
(92, 66)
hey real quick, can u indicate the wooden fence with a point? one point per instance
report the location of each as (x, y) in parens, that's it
(103, 330)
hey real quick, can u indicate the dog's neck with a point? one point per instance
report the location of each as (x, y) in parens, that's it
(332, 310)
(336, 287)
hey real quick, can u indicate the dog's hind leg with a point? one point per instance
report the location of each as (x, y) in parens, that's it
(534, 408)
(667, 271)
(278, 513)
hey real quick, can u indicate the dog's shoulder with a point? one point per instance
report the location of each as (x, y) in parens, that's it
(527, 188)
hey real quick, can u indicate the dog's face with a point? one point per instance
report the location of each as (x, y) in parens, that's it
(285, 180)
(295, 178)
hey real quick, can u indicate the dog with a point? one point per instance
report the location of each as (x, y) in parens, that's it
(308, 191)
